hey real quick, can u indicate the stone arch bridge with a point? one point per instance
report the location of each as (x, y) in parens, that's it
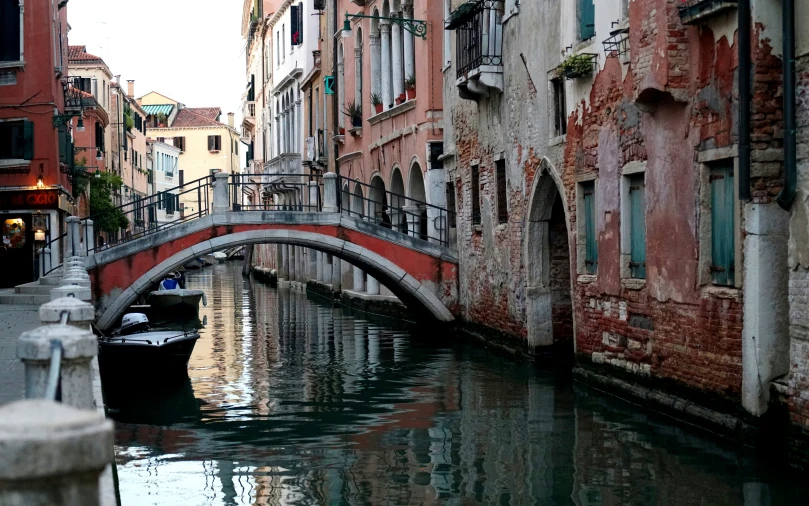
(422, 273)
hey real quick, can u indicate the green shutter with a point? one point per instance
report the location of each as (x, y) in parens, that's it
(62, 134)
(637, 231)
(28, 140)
(723, 251)
(587, 18)
(591, 246)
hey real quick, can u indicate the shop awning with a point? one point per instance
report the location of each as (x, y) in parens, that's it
(154, 110)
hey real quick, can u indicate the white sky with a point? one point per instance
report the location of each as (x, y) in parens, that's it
(189, 50)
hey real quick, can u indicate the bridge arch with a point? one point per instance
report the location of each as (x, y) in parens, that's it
(412, 292)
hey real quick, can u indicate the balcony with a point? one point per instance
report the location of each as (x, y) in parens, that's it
(478, 47)
(281, 172)
(694, 12)
(249, 112)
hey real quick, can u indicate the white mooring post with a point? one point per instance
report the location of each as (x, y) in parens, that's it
(74, 236)
(330, 192)
(52, 454)
(221, 193)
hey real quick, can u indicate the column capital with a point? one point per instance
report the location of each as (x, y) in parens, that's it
(373, 40)
(384, 26)
(358, 52)
(407, 10)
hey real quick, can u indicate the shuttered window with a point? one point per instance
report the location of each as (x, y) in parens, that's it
(591, 246)
(587, 19)
(475, 195)
(502, 202)
(17, 140)
(179, 142)
(637, 224)
(214, 143)
(296, 21)
(10, 30)
(723, 252)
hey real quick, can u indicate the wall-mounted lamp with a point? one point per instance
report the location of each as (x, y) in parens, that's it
(97, 174)
(80, 125)
(39, 235)
(41, 178)
(99, 154)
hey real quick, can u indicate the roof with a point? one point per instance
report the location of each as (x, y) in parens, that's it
(157, 109)
(79, 53)
(168, 100)
(197, 117)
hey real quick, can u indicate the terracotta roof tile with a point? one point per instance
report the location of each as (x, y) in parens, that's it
(79, 53)
(197, 117)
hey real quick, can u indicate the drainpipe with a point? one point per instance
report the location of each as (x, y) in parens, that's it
(335, 105)
(787, 194)
(744, 99)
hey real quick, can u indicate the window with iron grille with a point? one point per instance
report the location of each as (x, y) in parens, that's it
(559, 107)
(502, 194)
(475, 195)
(478, 33)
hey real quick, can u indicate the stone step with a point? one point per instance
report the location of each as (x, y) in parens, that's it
(52, 280)
(33, 289)
(10, 297)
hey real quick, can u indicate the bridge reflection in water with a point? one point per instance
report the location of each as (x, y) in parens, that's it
(293, 402)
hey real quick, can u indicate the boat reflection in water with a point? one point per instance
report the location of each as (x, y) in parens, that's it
(130, 403)
(301, 404)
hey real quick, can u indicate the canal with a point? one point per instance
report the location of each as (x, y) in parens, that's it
(291, 401)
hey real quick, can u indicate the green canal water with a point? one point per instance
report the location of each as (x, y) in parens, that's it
(290, 401)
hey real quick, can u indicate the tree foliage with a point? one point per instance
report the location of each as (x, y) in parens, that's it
(106, 217)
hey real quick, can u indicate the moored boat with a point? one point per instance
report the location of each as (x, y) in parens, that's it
(170, 296)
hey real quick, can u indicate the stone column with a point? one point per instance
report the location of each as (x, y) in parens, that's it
(373, 286)
(376, 55)
(387, 90)
(359, 279)
(358, 75)
(413, 218)
(73, 235)
(319, 266)
(79, 347)
(396, 59)
(314, 192)
(336, 274)
(341, 93)
(409, 58)
(53, 454)
(221, 195)
(298, 126)
(330, 192)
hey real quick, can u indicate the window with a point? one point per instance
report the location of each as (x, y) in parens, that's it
(587, 19)
(451, 204)
(236, 147)
(296, 24)
(214, 142)
(283, 42)
(99, 136)
(723, 240)
(558, 107)
(17, 140)
(637, 226)
(502, 197)
(475, 195)
(161, 139)
(11, 23)
(179, 142)
(588, 245)
(277, 48)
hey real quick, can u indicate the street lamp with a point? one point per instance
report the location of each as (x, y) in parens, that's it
(80, 125)
(99, 154)
(415, 26)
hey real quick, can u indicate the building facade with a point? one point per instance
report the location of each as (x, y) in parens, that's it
(35, 190)
(165, 174)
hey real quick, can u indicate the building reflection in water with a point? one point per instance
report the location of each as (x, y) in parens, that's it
(291, 401)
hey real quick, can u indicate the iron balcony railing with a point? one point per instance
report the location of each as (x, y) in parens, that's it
(479, 35)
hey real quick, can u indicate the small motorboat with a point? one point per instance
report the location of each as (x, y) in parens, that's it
(220, 257)
(195, 264)
(136, 348)
(171, 297)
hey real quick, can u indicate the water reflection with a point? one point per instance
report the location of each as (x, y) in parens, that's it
(292, 402)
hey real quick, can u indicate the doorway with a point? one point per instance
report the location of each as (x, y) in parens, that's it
(16, 249)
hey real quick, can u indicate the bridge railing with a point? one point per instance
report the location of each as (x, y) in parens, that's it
(140, 217)
(395, 211)
(276, 192)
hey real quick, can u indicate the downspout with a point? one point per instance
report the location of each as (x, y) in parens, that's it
(744, 99)
(787, 194)
(335, 105)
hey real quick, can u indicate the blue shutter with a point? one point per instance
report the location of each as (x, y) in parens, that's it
(723, 251)
(637, 231)
(587, 18)
(591, 246)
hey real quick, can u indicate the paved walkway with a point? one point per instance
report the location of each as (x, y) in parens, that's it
(14, 320)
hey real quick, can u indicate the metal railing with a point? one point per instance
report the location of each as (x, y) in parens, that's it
(479, 36)
(196, 194)
(275, 192)
(395, 211)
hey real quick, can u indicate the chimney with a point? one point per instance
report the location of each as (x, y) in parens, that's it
(118, 79)
(230, 119)
(130, 88)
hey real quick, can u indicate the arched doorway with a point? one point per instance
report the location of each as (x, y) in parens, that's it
(397, 201)
(418, 218)
(345, 200)
(378, 202)
(547, 254)
(358, 202)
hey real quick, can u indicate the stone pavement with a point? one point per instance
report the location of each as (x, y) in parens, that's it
(14, 320)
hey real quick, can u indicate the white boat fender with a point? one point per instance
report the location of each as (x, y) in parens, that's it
(204, 300)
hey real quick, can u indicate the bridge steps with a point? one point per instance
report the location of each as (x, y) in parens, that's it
(34, 288)
(34, 293)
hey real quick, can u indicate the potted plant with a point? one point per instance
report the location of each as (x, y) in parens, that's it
(376, 100)
(161, 119)
(410, 84)
(576, 65)
(354, 111)
(401, 99)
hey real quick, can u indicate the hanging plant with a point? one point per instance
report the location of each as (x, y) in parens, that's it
(576, 65)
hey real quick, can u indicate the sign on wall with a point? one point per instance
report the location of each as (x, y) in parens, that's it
(328, 81)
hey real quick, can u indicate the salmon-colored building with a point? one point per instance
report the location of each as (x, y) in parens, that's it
(35, 193)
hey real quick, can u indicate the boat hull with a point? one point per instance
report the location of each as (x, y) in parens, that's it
(179, 302)
(142, 358)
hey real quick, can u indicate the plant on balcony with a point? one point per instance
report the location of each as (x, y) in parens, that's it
(576, 65)
(376, 100)
(128, 121)
(161, 119)
(410, 85)
(354, 111)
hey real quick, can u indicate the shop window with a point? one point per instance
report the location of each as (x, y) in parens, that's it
(14, 233)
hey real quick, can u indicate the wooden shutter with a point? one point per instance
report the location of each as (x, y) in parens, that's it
(587, 18)
(63, 143)
(723, 250)
(502, 197)
(591, 245)
(182, 179)
(210, 143)
(294, 28)
(28, 140)
(300, 23)
(637, 231)
(475, 195)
